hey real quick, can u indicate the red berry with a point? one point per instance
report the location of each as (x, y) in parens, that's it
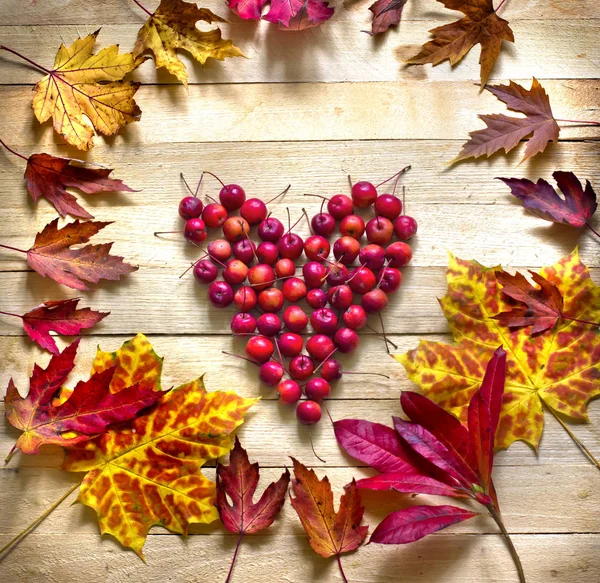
(190, 207)
(338, 274)
(340, 206)
(374, 301)
(363, 194)
(316, 248)
(205, 271)
(220, 294)
(316, 298)
(235, 229)
(289, 392)
(254, 211)
(372, 256)
(290, 344)
(320, 347)
(331, 370)
(354, 317)
(388, 206)
(314, 274)
(346, 340)
(324, 321)
(290, 246)
(261, 276)
(267, 253)
(245, 298)
(389, 279)
(235, 272)
(352, 226)
(243, 323)
(346, 250)
(269, 325)
(245, 250)
(195, 230)
(259, 349)
(301, 367)
(308, 412)
(271, 230)
(285, 268)
(232, 197)
(340, 297)
(399, 254)
(220, 250)
(323, 224)
(317, 389)
(271, 373)
(362, 280)
(405, 227)
(294, 289)
(214, 215)
(270, 300)
(380, 231)
(295, 318)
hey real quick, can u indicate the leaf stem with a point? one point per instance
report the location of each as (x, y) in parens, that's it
(339, 561)
(500, 5)
(12, 151)
(3, 48)
(580, 121)
(11, 314)
(13, 248)
(581, 446)
(513, 551)
(39, 519)
(576, 320)
(592, 230)
(10, 453)
(143, 8)
(235, 553)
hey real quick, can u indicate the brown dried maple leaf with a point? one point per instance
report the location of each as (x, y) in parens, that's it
(480, 25)
(504, 132)
(386, 13)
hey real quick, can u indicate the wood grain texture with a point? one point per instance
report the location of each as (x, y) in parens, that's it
(305, 109)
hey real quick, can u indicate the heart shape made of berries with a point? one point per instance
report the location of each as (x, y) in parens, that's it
(261, 280)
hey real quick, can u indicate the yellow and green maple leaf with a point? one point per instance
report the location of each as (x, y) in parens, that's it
(558, 369)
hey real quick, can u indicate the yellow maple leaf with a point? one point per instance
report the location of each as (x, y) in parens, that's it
(173, 26)
(84, 88)
(558, 369)
(149, 473)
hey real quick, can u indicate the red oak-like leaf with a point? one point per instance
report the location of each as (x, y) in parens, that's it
(504, 132)
(411, 524)
(575, 209)
(62, 317)
(49, 177)
(247, 9)
(88, 411)
(410, 484)
(386, 13)
(543, 306)
(239, 480)
(298, 14)
(330, 533)
(51, 255)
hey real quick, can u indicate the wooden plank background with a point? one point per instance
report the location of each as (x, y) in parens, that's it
(304, 109)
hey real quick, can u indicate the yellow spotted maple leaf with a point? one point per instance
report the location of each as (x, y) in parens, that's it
(84, 88)
(149, 473)
(173, 26)
(558, 369)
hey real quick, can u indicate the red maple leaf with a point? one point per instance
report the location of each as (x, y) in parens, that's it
(298, 14)
(386, 13)
(239, 480)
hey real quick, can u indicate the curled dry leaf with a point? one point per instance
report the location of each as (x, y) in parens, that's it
(87, 411)
(575, 209)
(51, 255)
(386, 13)
(173, 26)
(149, 472)
(239, 481)
(480, 25)
(557, 369)
(83, 88)
(62, 317)
(330, 533)
(504, 132)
